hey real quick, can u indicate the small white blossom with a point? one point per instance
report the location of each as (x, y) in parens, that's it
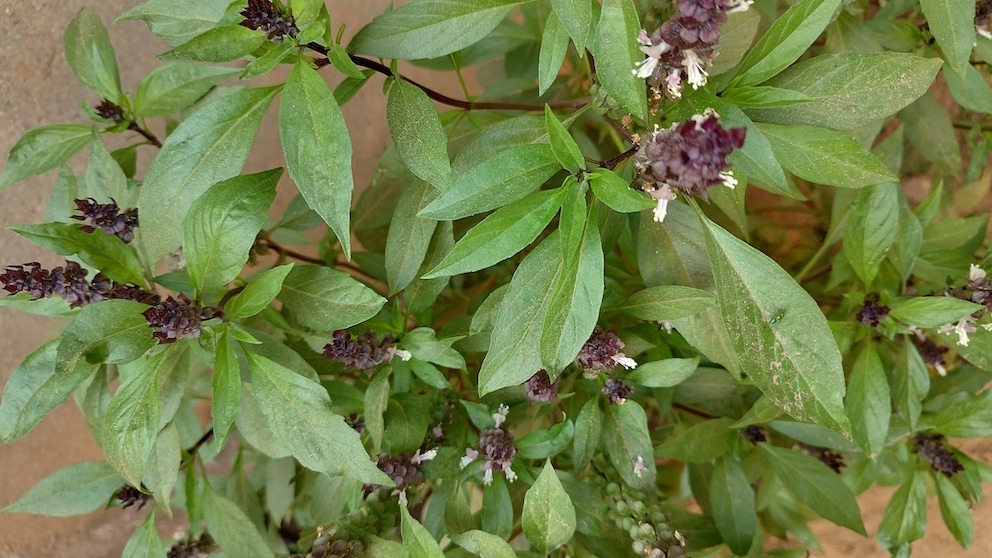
(740, 6)
(500, 415)
(729, 180)
(653, 53)
(469, 457)
(962, 328)
(673, 83)
(664, 195)
(419, 458)
(404, 355)
(975, 273)
(667, 325)
(694, 68)
(639, 466)
(625, 361)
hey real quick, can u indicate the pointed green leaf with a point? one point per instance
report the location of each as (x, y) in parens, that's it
(756, 159)
(576, 17)
(485, 545)
(497, 508)
(905, 518)
(826, 157)
(104, 176)
(409, 236)
(112, 331)
(174, 87)
(145, 542)
(871, 229)
(617, 53)
(260, 291)
(43, 149)
(932, 311)
(666, 302)
(91, 56)
(548, 517)
(219, 44)
(375, 403)
(971, 91)
(616, 193)
(628, 444)
(732, 502)
(317, 147)
(930, 129)
(952, 23)
(325, 299)
(542, 444)
(231, 528)
(220, 227)
(588, 430)
(417, 134)
(663, 373)
(954, 510)
(868, 403)
(562, 145)
(78, 489)
(175, 22)
(106, 252)
(430, 28)
(554, 47)
(778, 331)
(209, 146)
(226, 386)
(417, 539)
(701, 442)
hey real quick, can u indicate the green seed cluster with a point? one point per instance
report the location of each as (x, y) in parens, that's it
(645, 523)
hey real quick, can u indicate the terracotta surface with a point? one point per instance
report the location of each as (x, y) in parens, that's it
(36, 88)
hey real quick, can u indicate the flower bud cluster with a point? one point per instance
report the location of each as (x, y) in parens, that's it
(191, 547)
(109, 111)
(872, 313)
(829, 457)
(683, 47)
(69, 282)
(933, 450)
(335, 543)
(404, 469)
(108, 217)
(540, 389)
(617, 391)
(177, 318)
(496, 446)
(754, 434)
(130, 496)
(980, 287)
(932, 354)
(264, 15)
(601, 352)
(645, 524)
(363, 352)
(689, 157)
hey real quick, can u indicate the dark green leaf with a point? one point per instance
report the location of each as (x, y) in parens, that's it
(762, 96)
(342, 63)
(554, 46)
(932, 311)
(416, 539)
(430, 28)
(628, 444)
(407, 417)
(826, 157)
(220, 228)
(964, 235)
(272, 54)
(617, 54)
(756, 159)
(145, 542)
(497, 508)
(258, 293)
(588, 430)
(500, 179)
(78, 489)
(231, 528)
(616, 193)
(786, 40)
(666, 302)
(176, 23)
(972, 91)
(317, 147)
(486, 545)
(542, 444)
(576, 17)
(954, 510)
(905, 517)
(663, 373)
(952, 23)
(325, 299)
(930, 129)
(174, 87)
(780, 335)
(219, 44)
(42, 149)
(548, 517)
(871, 229)
(409, 236)
(226, 386)
(298, 411)
(418, 135)
(732, 501)
(112, 331)
(376, 402)
(851, 89)
(502, 234)
(209, 146)
(562, 145)
(964, 416)
(91, 56)
(140, 407)
(103, 251)
(909, 381)
(816, 485)
(868, 401)
(700, 443)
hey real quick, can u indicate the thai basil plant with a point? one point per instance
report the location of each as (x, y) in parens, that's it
(658, 291)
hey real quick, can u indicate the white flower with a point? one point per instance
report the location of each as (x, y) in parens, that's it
(667, 325)
(962, 328)
(664, 195)
(639, 466)
(740, 6)
(404, 355)
(674, 83)
(470, 455)
(728, 179)
(975, 273)
(500, 415)
(694, 68)
(625, 361)
(653, 53)
(419, 458)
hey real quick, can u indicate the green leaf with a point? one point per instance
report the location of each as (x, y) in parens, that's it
(964, 416)
(930, 129)
(762, 96)
(868, 401)
(666, 302)
(628, 444)
(220, 227)
(562, 145)
(554, 47)
(932, 311)
(573, 310)
(826, 157)
(905, 518)
(756, 159)
(343, 63)
(163, 467)
(417, 134)
(954, 510)
(588, 430)
(407, 417)
(104, 176)
(103, 251)
(616, 192)
(140, 407)
(145, 542)
(498, 180)
(502, 234)
(576, 17)
(850, 89)
(78, 489)
(782, 339)
(375, 403)
(219, 44)
(736, 37)
(700, 443)
(325, 299)
(515, 350)
(112, 331)
(317, 147)
(484, 544)
(732, 502)
(298, 412)
(175, 87)
(35, 389)
(416, 539)
(816, 485)
(43, 149)
(663, 373)
(176, 21)
(542, 444)
(963, 235)
(430, 28)
(271, 55)
(260, 291)
(971, 91)
(786, 40)
(409, 236)
(91, 56)
(231, 528)
(226, 384)
(209, 146)
(910, 381)
(617, 54)
(952, 23)
(548, 517)
(872, 228)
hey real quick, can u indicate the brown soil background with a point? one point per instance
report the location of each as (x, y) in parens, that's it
(36, 88)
